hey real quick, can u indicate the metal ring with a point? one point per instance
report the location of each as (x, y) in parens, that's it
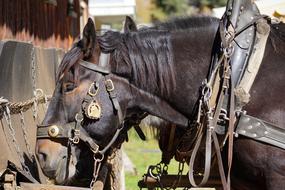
(78, 117)
(39, 92)
(100, 158)
(75, 140)
(228, 51)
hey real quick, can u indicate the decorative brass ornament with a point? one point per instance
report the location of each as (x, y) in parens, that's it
(53, 131)
(93, 110)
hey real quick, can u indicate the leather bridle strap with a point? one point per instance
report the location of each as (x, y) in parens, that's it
(231, 132)
(211, 123)
(113, 96)
(94, 67)
(207, 159)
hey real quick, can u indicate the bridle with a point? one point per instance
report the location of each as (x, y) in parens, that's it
(74, 132)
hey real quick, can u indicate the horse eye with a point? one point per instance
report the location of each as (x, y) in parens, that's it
(69, 87)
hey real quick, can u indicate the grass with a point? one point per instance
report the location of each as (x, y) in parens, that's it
(143, 154)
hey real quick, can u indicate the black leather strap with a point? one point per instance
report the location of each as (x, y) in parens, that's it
(94, 67)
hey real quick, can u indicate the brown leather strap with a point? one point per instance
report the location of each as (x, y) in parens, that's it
(231, 133)
(215, 121)
(220, 161)
(208, 156)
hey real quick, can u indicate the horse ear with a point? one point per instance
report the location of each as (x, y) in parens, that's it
(130, 25)
(88, 41)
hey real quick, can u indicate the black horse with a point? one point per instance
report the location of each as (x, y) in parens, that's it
(159, 71)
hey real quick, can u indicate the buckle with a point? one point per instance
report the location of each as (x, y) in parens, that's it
(76, 136)
(109, 85)
(96, 87)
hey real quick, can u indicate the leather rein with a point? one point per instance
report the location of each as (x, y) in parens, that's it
(74, 131)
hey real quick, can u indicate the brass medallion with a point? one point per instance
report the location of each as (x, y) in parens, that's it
(93, 110)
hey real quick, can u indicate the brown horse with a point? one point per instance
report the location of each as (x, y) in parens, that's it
(159, 71)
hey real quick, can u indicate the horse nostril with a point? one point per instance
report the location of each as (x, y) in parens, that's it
(42, 157)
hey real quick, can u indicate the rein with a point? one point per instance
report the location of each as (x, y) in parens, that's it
(217, 107)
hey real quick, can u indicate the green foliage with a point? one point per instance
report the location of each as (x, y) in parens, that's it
(165, 8)
(143, 154)
(170, 8)
(173, 6)
(208, 3)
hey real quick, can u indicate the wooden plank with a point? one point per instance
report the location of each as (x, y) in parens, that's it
(172, 180)
(32, 186)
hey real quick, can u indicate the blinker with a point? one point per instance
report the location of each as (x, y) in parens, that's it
(53, 131)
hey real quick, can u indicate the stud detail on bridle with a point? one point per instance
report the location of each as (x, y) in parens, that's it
(53, 131)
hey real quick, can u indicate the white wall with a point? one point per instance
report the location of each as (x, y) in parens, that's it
(267, 7)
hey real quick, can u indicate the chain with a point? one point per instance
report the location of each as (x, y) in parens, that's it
(160, 169)
(98, 157)
(179, 175)
(34, 75)
(12, 132)
(24, 128)
(46, 102)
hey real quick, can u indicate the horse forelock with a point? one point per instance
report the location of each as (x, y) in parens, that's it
(146, 54)
(70, 59)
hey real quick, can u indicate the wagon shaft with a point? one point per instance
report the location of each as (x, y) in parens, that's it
(30, 186)
(171, 180)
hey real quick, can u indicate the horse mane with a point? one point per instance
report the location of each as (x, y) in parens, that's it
(277, 37)
(69, 59)
(144, 57)
(186, 23)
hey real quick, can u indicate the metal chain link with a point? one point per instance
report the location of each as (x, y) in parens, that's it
(34, 75)
(24, 129)
(179, 175)
(157, 171)
(12, 132)
(98, 157)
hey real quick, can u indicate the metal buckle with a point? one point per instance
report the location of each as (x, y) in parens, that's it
(90, 89)
(109, 85)
(75, 139)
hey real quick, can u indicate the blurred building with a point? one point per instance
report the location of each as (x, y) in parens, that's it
(45, 23)
(109, 12)
(273, 8)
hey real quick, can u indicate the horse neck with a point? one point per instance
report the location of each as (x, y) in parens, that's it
(192, 57)
(133, 99)
(191, 51)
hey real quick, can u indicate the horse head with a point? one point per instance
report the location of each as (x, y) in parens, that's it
(60, 159)
(78, 90)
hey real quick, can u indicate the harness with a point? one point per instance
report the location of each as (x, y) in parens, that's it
(74, 132)
(243, 35)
